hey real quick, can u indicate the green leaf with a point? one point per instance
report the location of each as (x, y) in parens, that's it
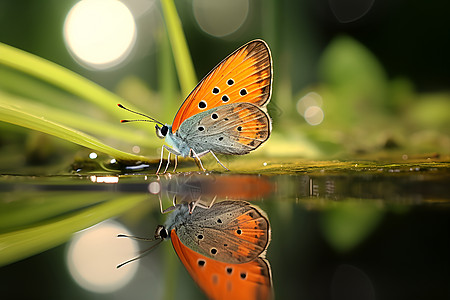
(86, 124)
(347, 224)
(11, 114)
(30, 207)
(356, 83)
(183, 61)
(19, 244)
(61, 77)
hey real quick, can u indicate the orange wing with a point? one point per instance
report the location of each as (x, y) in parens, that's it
(220, 280)
(244, 76)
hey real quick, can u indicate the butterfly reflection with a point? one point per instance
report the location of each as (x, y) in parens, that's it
(221, 243)
(223, 248)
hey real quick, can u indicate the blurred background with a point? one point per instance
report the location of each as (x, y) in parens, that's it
(353, 80)
(350, 77)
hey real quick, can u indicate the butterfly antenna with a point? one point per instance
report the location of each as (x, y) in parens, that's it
(136, 238)
(138, 113)
(143, 253)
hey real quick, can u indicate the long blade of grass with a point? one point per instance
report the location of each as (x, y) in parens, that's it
(61, 77)
(23, 243)
(24, 208)
(13, 115)
(183, 61)
(86, 124)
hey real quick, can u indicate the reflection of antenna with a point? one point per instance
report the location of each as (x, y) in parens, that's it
(138, 113)
(143, 253)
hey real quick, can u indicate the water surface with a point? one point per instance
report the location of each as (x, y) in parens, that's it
(380, 232)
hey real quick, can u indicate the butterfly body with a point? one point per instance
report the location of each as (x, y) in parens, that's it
(223, 248)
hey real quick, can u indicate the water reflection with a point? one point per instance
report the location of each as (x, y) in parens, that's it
(335, 233)
(92, 263)
(221, 243)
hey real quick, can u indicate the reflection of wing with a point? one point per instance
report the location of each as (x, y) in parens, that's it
(236, 129)
(187, 187)
(221, 280)
(244, 76)
(229, 231)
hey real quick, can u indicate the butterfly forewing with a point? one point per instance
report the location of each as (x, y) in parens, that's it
(244, 76)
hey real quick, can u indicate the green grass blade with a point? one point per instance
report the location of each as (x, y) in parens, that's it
(183, 61)
(17, 245)
(24, 208)
(168, 85)
(61, 77)
(13, 115)
(89, 125)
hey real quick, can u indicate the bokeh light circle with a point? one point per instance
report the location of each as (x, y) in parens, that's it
(314, 115)
(94, 253)
(100, 33)
(220, 18)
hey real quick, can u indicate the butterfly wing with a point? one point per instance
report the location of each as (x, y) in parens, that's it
(236, 129)
(229, 231)
(221, 280)
(244, 76)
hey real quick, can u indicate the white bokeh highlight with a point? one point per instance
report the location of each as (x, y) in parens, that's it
(94, 253)
(100, 34)
(220, 18)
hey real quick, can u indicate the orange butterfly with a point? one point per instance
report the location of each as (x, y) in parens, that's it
(226, 112)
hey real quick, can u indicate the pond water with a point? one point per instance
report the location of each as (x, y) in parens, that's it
(340, 234)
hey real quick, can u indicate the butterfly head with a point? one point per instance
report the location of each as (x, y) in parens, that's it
(161, 232)
(162, 131)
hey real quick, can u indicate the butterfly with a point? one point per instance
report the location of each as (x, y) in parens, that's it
(223, 248)
(226, 112)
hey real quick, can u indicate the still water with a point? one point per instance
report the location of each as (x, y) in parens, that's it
(380, 234)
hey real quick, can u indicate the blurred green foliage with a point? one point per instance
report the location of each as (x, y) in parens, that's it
(346, 225)
(54, 218)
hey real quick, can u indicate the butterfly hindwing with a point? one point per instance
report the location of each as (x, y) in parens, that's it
(235, 129)
(244, 76)
(229, 231)
(224, 280)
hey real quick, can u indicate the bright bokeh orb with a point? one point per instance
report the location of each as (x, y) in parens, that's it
(100, 33)
(310, 107)
(220, 18)
(94, 253)
(314, 115)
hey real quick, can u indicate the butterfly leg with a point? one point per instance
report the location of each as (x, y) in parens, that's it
(161, 160)
(168, 163)
(193, 154)
(203, 154)
(176, 163)
(194, 204)
(170, 150)
(218, 161)
(169, 209)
